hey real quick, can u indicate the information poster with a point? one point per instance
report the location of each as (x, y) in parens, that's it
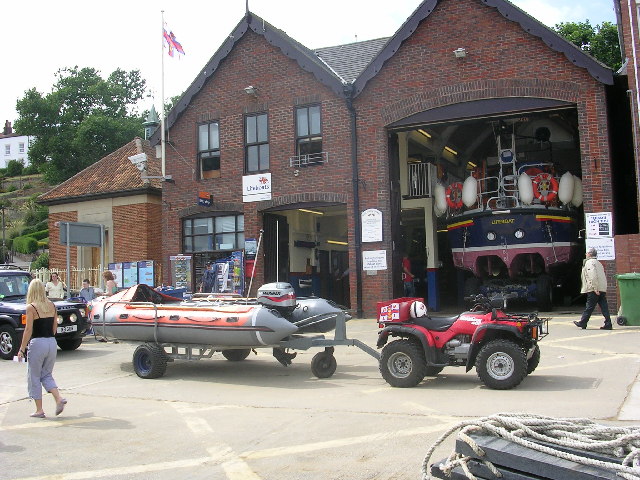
(604, 246)
(374, 260)
(181, 272)
(371, 225)
(129, 274)
(146, 273)
(599, 225)
(116, 269)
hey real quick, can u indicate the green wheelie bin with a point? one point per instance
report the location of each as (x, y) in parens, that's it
(629, 313)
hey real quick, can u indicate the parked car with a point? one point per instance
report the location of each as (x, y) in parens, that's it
(72, 316)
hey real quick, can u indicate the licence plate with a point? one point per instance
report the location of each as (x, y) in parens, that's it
(68, 328)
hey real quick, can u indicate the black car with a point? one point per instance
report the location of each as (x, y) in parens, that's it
(72, 316)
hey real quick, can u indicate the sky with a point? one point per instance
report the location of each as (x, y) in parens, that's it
(42, 37)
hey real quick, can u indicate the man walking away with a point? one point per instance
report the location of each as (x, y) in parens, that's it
(594, 284)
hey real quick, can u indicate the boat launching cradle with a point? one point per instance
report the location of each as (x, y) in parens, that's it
(172, 329)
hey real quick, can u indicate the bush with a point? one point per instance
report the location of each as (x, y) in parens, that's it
(30, 170)
(43, 244)
(41, 262)
(12, 188)
(38, 235)
(25, 245)
(15, 168)
(28, 230)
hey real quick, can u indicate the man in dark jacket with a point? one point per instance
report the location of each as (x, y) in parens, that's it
(208, 278)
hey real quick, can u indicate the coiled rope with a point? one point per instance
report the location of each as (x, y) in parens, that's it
(522, 428)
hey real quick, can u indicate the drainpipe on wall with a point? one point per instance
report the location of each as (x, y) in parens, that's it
(348, 90)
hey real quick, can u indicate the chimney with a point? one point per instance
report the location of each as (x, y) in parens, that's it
(139, 145)
(7, 128)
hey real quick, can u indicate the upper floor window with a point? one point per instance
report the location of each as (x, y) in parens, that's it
(21, 147)
(7, 149)
(256, 142)
(308, 130)
(209, 150)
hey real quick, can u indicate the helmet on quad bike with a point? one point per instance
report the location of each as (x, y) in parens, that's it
(418, 309)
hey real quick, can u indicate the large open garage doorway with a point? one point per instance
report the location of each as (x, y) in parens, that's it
(307, 246)
(497, 186)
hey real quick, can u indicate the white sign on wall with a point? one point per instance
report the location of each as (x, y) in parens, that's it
(604, 246)
(256, 188)
(374, 260)
(599, 225)
(371, 220)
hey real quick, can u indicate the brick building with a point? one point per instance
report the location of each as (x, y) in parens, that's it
(114, 193)
(371, 127)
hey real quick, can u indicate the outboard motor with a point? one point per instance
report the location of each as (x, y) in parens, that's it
(278, 295)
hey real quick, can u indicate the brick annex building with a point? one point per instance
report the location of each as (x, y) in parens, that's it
(370, 127)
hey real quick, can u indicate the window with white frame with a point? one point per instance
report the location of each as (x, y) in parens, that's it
(7, 149)
(21, 147)
(256, 142)
(210, 234)
(209, 150)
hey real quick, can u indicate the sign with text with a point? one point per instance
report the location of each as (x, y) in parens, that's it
(256, 188)
(605, 247)
(80, 234)
(371, 225)
(145, 272)
(204, 199)
(374, 260)
(129, 274)
(599, 225)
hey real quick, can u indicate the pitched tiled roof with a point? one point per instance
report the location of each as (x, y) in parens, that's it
(113, 175)
(349, 60)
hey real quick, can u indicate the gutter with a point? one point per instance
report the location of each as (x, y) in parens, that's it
(349, 94)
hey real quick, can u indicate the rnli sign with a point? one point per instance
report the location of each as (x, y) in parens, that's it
(256, 188)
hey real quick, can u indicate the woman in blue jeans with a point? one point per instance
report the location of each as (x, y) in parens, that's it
(39, 335)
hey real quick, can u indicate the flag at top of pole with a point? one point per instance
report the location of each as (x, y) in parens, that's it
(172, 43)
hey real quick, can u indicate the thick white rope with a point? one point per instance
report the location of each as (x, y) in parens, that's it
(521, 428)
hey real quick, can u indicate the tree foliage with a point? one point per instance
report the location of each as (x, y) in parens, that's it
(599, 41)
(84, 118)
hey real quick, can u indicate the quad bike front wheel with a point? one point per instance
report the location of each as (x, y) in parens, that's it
(534, 360)
(402, 364)
(501, 364)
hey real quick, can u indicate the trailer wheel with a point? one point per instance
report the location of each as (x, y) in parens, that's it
(501, 364)
(402, 364)
(323, 365)
(149, 361)
(533, 362)
(237, 354)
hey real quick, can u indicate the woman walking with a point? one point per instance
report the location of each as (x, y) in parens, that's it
(39, 335)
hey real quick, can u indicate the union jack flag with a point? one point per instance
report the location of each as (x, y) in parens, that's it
(172, 44)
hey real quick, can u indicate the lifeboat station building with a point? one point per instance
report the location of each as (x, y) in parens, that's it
(473, 140)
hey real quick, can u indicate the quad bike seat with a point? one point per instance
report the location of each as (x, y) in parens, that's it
(438, 324)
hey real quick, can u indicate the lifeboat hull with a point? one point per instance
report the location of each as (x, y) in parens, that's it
(141, 314)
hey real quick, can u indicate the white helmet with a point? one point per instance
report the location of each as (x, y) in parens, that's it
(418, 309)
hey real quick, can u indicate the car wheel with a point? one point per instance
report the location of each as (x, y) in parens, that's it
(501, 364)
(402, 364)
(236, 355)
(69, 344)
(544, 293)
(533, 362)
(8, 342)
(149, 361)
(323, 365)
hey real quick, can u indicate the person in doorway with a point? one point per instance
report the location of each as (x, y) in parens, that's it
(39, 336)
(594, 284)
(55, 288)
(407, 277)
(110, 286)
(87, 293)
(208, 278)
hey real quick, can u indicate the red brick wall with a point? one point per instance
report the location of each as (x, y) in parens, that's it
(58, 252)
(281, 84)
(503, 60)
(137, 232)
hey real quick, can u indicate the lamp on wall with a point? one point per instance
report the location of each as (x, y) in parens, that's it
(251, 90)
(460, 52)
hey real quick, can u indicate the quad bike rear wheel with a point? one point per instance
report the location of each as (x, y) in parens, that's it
(402, 364)
(501, 364)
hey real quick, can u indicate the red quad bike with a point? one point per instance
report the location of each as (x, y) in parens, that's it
(502, 346)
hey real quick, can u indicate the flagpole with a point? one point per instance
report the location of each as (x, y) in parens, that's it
(162, 116)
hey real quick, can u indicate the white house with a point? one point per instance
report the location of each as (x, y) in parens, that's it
(13, 146)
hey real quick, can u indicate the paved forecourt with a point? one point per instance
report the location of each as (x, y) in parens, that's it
(257, 420)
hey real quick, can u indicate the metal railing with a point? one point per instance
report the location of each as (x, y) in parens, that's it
(309, 159)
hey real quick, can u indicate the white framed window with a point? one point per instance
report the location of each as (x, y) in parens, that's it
(7, 149)
(21, 147)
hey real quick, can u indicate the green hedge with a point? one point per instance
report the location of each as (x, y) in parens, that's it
(25, 245)
(38, 235)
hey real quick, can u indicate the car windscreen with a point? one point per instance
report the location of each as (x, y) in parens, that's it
(14, 285)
